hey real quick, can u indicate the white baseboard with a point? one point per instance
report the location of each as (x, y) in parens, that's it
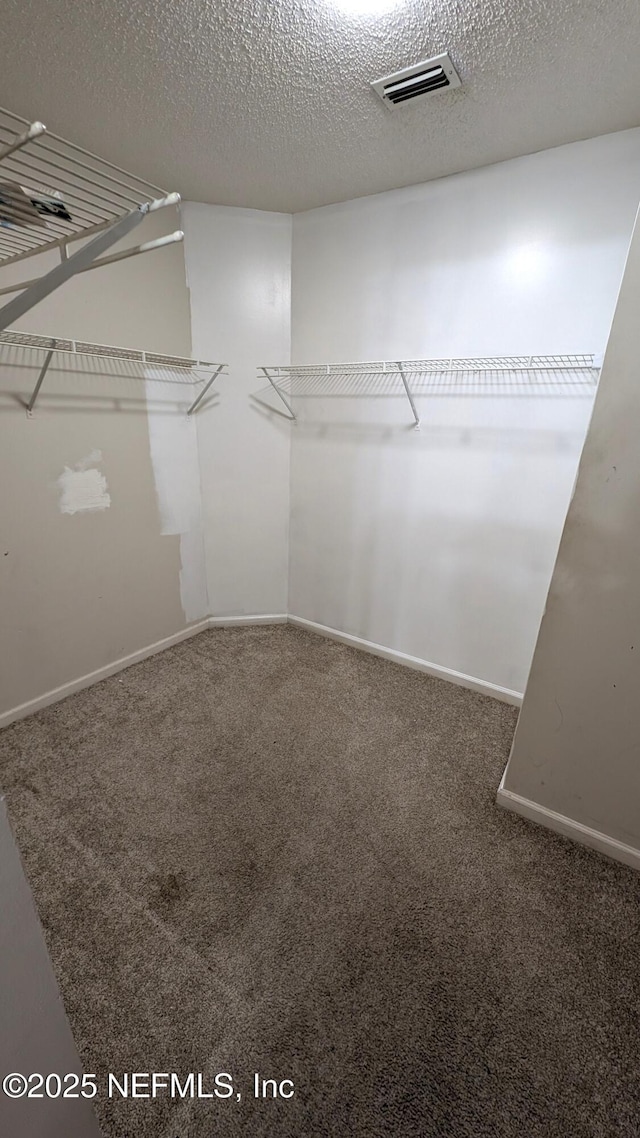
(86, 681)
(238, 621)
(90, 678)
(560, 824)
(441, 673)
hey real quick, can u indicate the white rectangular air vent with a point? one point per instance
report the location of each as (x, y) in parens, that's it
(417, 82)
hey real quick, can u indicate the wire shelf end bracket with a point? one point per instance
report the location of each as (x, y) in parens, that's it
(292, 414)
(206, 387)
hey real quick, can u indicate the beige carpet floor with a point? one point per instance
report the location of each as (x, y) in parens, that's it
(262, 851)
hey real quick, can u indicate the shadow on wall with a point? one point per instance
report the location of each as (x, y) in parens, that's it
(439, 543)
(80, 384)
(107, 402)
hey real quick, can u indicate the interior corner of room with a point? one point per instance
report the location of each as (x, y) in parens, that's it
(236, 514)
(373, 571)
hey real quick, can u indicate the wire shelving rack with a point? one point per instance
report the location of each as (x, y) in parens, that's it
(52, 194)
(489, 375)
(39, 351)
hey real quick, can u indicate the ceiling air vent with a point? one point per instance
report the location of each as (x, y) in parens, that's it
(417, 82)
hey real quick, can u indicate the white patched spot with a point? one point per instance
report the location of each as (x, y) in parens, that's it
(84, 488)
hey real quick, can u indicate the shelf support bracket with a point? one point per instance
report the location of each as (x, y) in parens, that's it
(43, 371)
(76, 263)
(409, 394)
(206, 387)
(135, 251)
(280, 395)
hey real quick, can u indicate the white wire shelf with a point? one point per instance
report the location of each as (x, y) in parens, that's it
(27, 350)
(53, 193)
(490, 375)
(76, 193)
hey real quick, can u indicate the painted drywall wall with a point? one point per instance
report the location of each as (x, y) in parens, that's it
(577, 744)
(35, 1035)
(101, 543)
(441, 544)
(239, 270)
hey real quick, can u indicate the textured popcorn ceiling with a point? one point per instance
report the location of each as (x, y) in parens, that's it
(266, 103)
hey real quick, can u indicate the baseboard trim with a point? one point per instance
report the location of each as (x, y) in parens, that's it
(560, 824)
(90, 678)
(56, 694)
(415, 662)
(238, 621)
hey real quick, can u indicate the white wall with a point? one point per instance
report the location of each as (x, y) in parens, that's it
(239, 272)
(441, 544)
(577, 746)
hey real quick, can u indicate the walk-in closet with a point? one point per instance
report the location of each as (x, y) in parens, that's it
(319, 564)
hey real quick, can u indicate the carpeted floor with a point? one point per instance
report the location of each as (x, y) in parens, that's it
(262, 851)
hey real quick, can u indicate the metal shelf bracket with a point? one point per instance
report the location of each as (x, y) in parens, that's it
(278, 392)
(43, 371)
(206, 387)
(409, 395)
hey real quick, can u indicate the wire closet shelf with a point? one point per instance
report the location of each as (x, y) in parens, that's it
(39, 351)
(489, 375)
(53, 193)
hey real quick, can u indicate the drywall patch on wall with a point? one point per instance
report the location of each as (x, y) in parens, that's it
(84, 488)
(239, 274)
(174, 457)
